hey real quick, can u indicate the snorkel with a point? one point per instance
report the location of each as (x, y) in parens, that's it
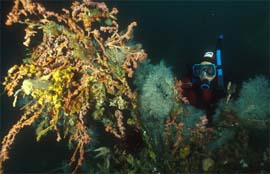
(220, 81)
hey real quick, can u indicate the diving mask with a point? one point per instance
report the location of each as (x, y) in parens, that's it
(202, 70)
(206, 72)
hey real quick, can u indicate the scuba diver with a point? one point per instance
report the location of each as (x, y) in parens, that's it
(204, 85)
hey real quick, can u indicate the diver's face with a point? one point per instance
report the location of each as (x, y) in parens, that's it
(207, 71)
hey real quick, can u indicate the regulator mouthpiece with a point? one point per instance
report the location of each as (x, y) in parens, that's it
(205, 85)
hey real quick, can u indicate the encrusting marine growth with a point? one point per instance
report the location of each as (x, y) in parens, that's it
(81, 66)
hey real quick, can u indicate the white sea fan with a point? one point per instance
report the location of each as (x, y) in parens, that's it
(157, 93)
(254, 99)
(142, 73)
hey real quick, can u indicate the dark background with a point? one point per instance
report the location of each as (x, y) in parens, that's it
(178, 32)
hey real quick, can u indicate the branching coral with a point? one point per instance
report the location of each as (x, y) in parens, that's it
(80, 67)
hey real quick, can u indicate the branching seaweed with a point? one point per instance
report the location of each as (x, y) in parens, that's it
(72, 72)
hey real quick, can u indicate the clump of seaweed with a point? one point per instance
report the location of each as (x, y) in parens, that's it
(79, 69)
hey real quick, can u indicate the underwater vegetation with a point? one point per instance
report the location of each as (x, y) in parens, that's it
(254, 101)
(80, 67)
(85, 71)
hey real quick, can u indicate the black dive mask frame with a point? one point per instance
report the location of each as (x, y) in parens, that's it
(199, 69)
